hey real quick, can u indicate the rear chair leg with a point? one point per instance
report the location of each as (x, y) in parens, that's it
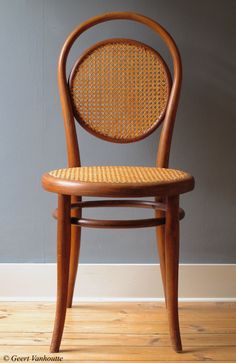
(160, 233)
(63, 258)
(172, 266)
(74, 260)
(74, 253)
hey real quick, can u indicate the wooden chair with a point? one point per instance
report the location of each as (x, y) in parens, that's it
(119, 90)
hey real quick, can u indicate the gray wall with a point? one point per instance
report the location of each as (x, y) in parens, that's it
(32, 136)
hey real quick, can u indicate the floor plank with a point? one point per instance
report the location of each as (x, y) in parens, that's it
(120, 332)
(96, 339)
(112, 353)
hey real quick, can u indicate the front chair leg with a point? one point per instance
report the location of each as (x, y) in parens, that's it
(172, 267)
(63, 258)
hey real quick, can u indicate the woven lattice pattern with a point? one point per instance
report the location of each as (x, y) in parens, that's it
(119, 174)
(120, 89)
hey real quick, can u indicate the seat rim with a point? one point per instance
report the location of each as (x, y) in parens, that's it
(121, 190)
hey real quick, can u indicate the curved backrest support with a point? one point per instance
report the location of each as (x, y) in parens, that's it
(120, 71)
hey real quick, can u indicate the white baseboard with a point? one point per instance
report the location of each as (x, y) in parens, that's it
(118, 282)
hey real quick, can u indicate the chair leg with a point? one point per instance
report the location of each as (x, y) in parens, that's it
(172, 267)
(63, 258)
(74, 260)
(160, 234)
(74, 251)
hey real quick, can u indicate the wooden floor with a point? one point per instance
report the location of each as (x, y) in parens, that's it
(119, 332)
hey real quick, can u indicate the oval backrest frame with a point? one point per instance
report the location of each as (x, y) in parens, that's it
(92, 90)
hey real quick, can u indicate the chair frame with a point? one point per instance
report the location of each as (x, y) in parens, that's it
(70, 204)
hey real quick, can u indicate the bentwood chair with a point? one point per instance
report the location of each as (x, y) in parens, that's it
(119, 90)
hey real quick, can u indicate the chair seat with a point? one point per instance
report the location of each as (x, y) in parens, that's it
(121, 181)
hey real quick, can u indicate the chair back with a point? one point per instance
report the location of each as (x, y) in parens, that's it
(119, 90)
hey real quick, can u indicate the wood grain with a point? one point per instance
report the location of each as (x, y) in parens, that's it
(117, 332)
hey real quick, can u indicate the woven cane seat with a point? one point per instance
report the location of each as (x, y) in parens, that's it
(96, 179)
(119, 174)
(120, 90)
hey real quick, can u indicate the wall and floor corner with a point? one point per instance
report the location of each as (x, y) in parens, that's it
(32, 141)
